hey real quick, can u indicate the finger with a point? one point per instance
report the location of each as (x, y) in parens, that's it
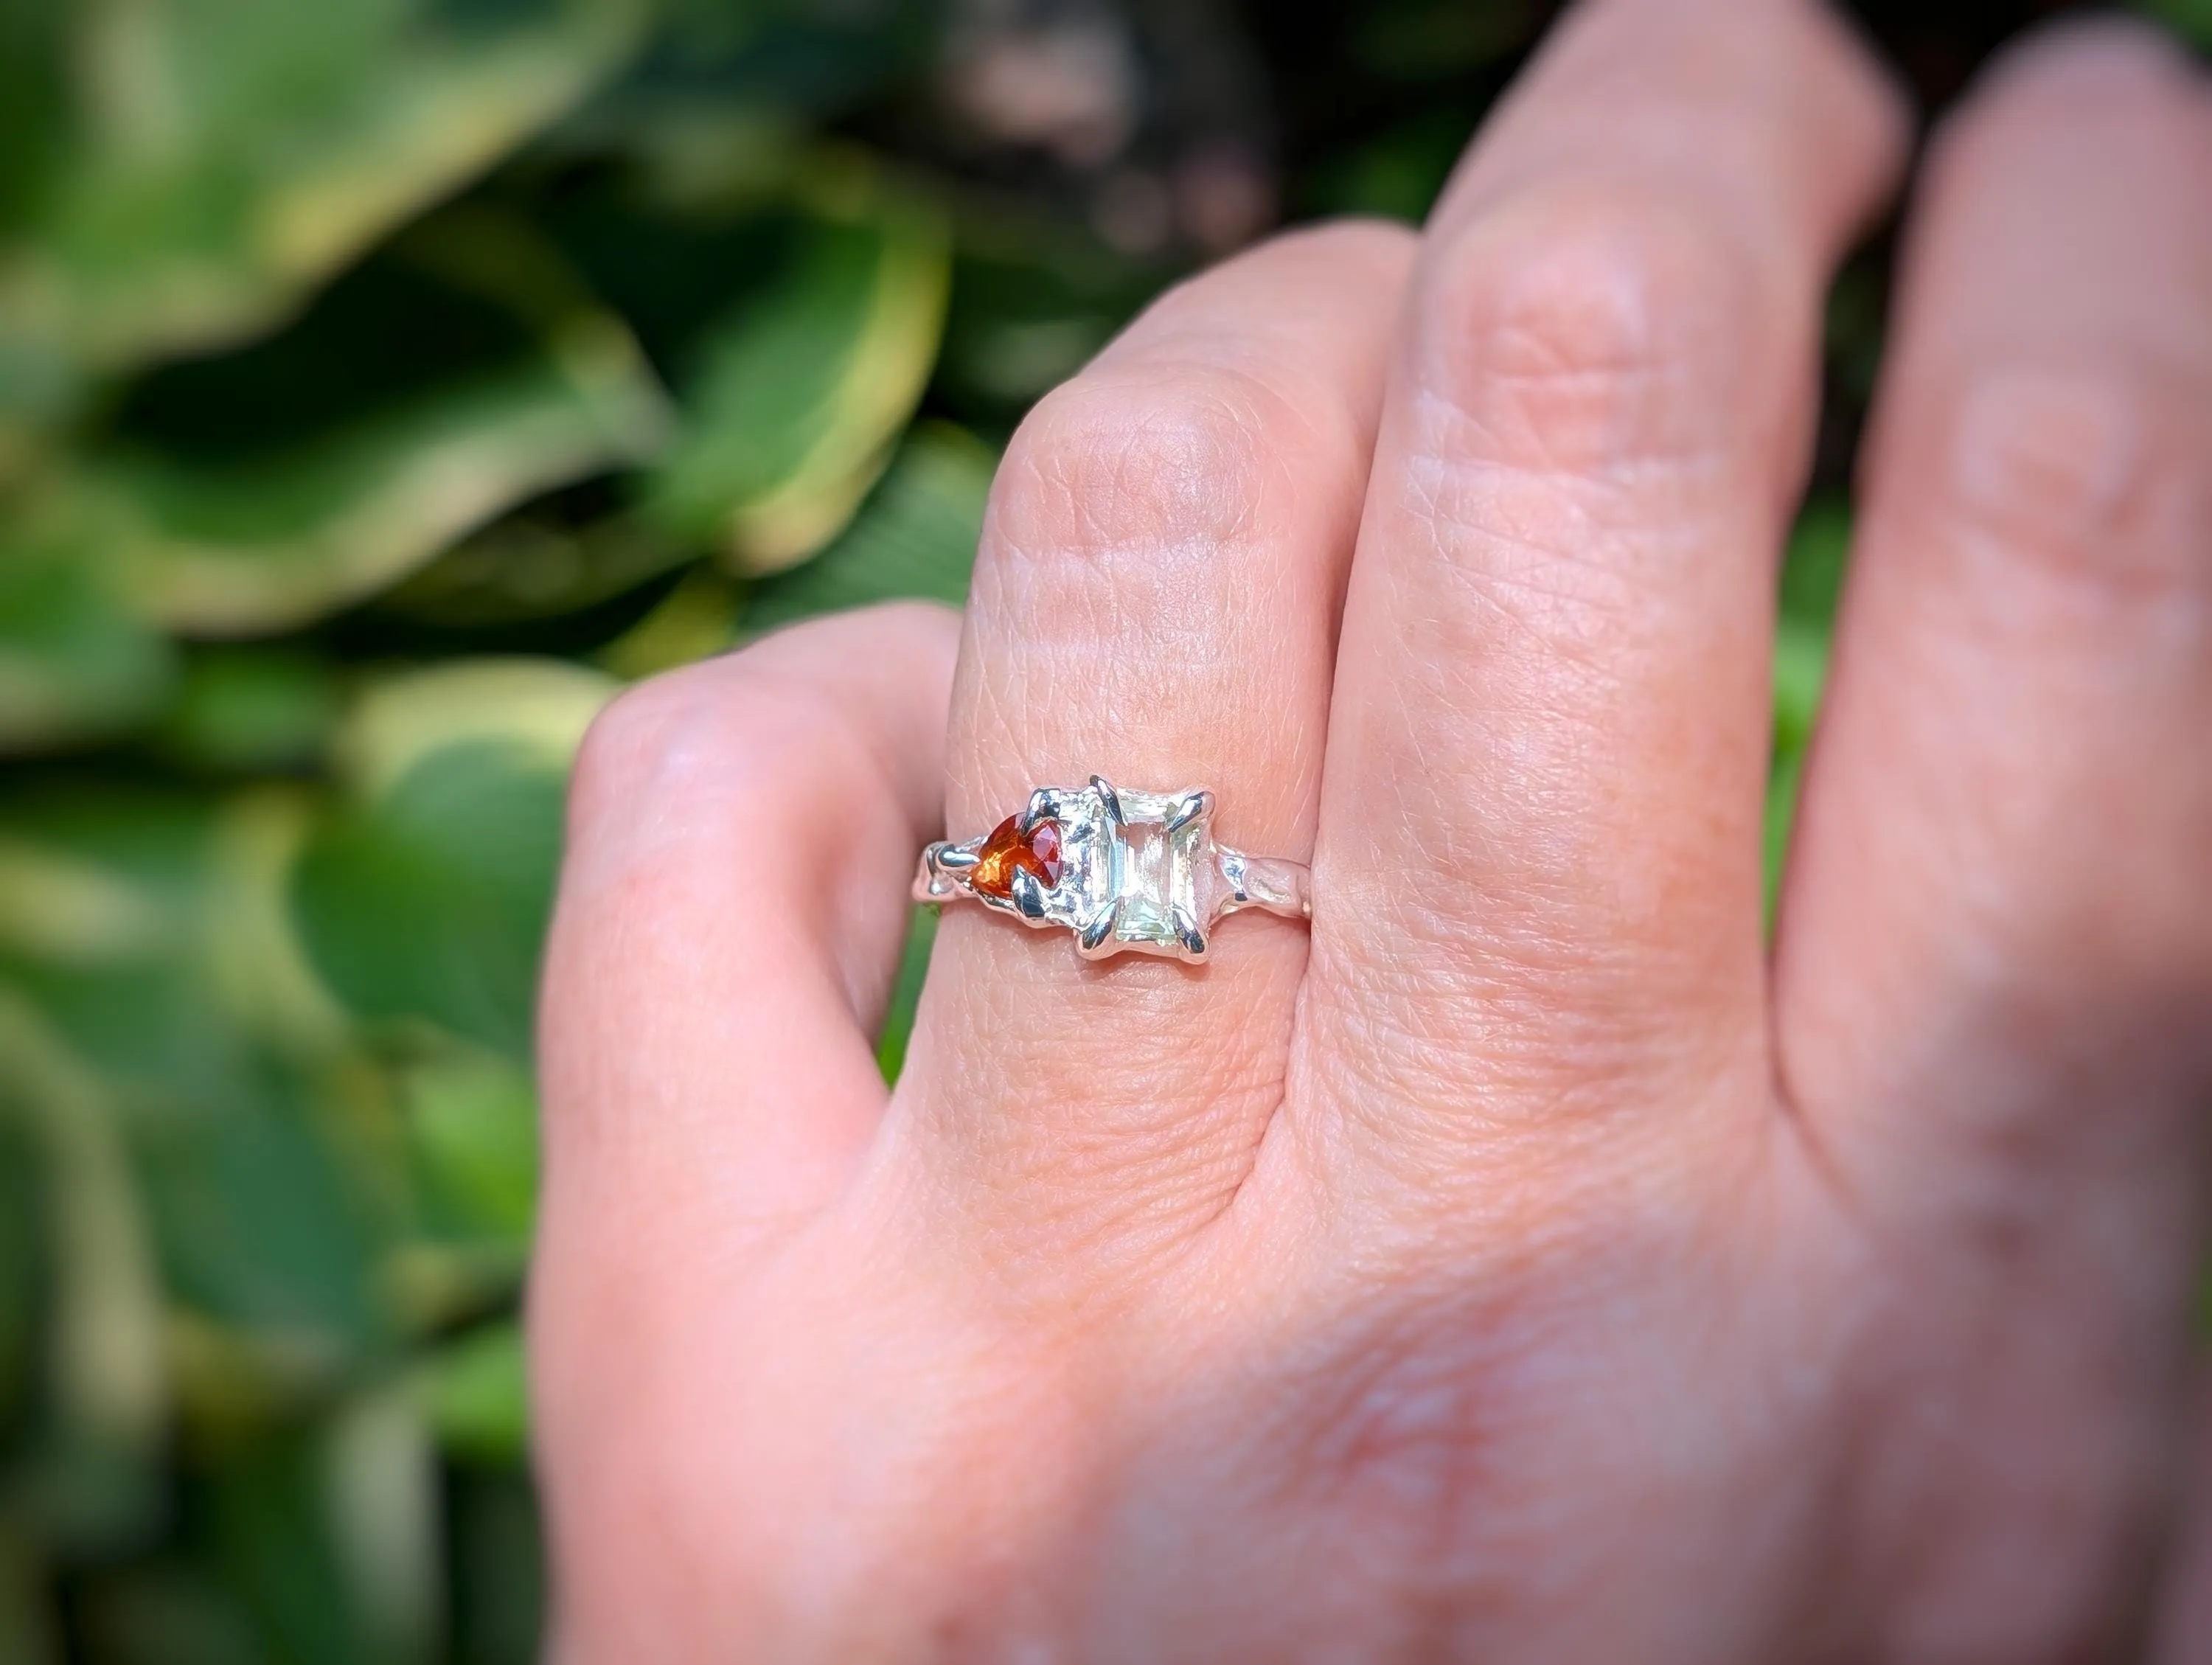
(1994, 962)
(740, 840)
(2182, 1629)
(1997, 913)
(1154, 601)
(1538, 853)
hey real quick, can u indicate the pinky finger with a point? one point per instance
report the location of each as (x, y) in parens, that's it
(741, 836)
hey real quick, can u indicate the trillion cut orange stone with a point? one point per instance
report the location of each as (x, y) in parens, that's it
(1006, 850)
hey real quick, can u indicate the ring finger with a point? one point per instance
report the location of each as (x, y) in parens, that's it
(1154, 601)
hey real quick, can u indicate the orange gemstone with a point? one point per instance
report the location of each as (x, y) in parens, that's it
(1006, 850)
(1044, 845)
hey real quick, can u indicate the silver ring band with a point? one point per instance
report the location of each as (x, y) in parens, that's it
(1122, 869)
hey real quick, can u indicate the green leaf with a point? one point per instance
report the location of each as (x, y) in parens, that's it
(696, 619)
(499, 1573)
(23, 1226)
(477, 1390)
(1812, 586)
(75, 663)
(275, 1546)
(261, 1222)
(906, 993)
(427, 896)
(1025, 315)
(795, 396)
(241, 709)
(93, 1479)
(431, 903)
(426, 394)
(915, 536)
(148, 927)
(1814, 566)
(166, 1609)
(381, 1498)
(154, 945)
(536, 563)
(229, 155)
(33, 106)
(541, 707)
(29, 1634)
(1800, 669)
(473, 1123)
(1781, 789)
(264, 549)
(1399, 172)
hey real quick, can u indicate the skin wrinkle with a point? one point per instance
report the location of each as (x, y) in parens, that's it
(1609, 589)
(1558, 881)
(1525, 1334)
(1183, 612)
(1598, 294)
(1533, 1077)
(2031, 670)
(1611, 464)
(2090, 484)
(1486, 592)
(1373, 1419)
(1183, 458)
(1097, 534)
(1985, 955)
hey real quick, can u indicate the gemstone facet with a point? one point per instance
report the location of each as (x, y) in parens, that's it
(1007, 851)
(1165, 858)
(1120, 869)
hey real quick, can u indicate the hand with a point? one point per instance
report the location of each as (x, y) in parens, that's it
(1525, 1264)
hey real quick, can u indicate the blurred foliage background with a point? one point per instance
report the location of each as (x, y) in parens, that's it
(383, 384)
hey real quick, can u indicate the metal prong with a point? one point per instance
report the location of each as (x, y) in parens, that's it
(1192, 939)
(1193, 805)
(1039, 808)
(1095, 940)
(954, 859)
(1028, 895)
(1108, 797)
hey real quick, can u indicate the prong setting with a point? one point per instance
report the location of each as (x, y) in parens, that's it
(1095, 941)
(1195, 806)
(1121, 870)
(1111, 799)
(1029, 896)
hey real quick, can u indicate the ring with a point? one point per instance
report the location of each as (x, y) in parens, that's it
(1122, 869)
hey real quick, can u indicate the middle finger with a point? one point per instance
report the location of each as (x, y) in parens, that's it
(1537, 880)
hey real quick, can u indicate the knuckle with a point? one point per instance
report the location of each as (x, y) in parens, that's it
(618, 748)
(1388, 246)
(1140, 457)
(1585, 329)
(723, 729)
(2093, 475)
